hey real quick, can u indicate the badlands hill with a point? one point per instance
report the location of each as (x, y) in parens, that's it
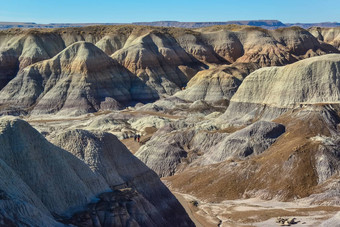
(81, 70)
(96, 181)
(268, 92)
(278, 139)
(80, 79)
(233, 112)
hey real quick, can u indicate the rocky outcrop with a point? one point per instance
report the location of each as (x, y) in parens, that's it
(268, 92)
(42, 184)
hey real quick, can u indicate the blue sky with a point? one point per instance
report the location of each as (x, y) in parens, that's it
(125, 11)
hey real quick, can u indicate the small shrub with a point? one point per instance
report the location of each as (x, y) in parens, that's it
(194, 202)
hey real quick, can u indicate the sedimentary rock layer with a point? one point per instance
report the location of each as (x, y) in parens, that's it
(268, 92)
(216, 83)
(78, 80)
(151, 62)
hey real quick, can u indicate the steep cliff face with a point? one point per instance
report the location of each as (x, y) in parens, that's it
(43, 184)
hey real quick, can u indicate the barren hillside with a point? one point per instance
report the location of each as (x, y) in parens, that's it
(72, 70)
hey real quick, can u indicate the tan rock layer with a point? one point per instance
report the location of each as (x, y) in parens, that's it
(80, 79)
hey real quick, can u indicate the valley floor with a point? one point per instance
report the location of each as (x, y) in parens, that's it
(256, 212)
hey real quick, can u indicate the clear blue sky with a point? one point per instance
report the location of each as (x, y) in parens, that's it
(126, 11)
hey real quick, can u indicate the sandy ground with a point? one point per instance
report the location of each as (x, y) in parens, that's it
(56, 123)
(256, 212)
(150, 113)
(131, 144)
(191, 211)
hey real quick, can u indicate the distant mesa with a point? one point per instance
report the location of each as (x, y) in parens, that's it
(267, 24)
